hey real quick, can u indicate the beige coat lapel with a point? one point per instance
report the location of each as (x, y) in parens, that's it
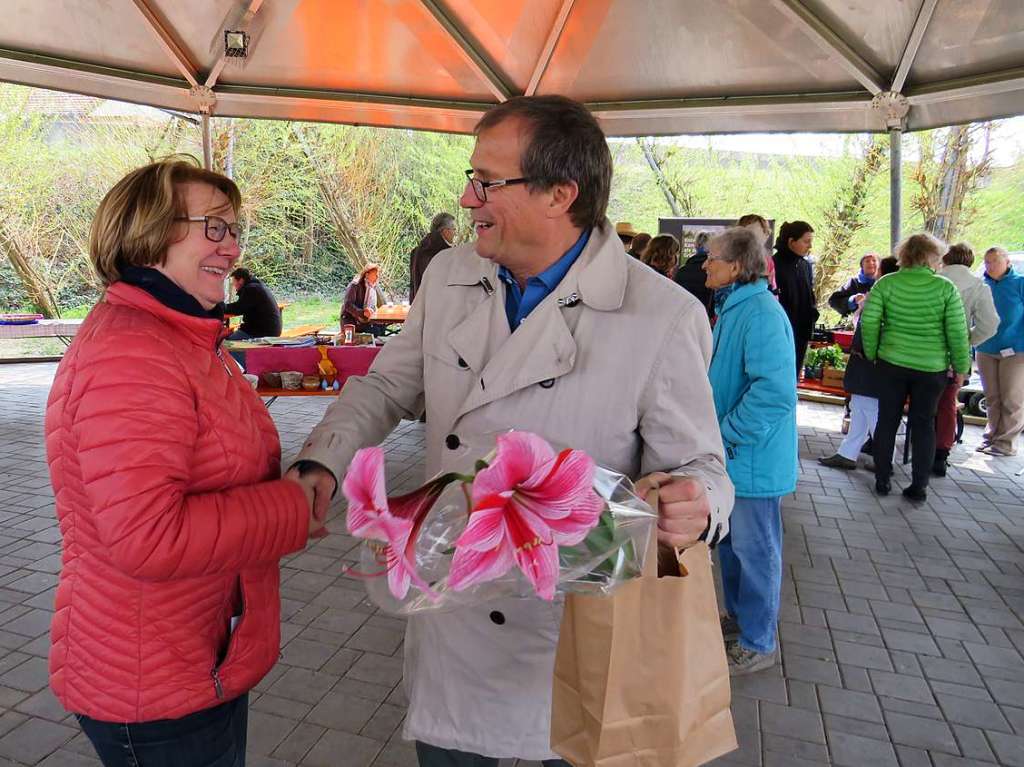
(484, 329)
(542, 348)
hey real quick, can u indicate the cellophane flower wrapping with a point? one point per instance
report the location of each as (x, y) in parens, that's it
(611, 553)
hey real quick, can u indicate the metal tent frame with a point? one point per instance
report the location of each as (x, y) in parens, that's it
(657, 67)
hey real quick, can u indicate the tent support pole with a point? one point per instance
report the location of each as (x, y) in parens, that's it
(207, 144)
(895, 186)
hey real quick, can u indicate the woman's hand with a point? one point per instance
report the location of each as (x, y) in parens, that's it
(317, 511)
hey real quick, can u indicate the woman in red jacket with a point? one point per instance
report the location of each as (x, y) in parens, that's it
(166, 473)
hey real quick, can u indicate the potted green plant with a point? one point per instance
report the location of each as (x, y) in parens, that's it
(812, 364)
(832, 356)
(833, 365)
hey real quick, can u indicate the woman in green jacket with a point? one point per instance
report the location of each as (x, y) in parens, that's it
(914, 328)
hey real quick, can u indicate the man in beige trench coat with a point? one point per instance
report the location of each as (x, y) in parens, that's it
(543, 324)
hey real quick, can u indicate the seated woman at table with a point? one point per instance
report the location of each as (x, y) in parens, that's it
(754, 385)
(362, 299)
(167, 480)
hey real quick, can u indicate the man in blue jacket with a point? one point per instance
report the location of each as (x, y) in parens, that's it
(1001, 358)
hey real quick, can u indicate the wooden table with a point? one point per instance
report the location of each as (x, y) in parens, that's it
(390, 314)
(273, 394)
(302, 330)
(65, 330)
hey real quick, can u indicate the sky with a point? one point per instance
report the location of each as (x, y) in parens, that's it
(1007, 142)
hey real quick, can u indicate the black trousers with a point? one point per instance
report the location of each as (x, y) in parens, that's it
(433, 756)
(895, 383)
(801, 351)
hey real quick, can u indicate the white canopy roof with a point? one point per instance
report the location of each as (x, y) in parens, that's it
(646, 67)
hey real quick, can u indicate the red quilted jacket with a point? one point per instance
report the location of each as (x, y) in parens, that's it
(166, 472)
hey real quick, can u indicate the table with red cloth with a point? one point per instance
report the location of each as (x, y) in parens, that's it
(350, 361)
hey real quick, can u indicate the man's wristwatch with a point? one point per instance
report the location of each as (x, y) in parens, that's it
(305, 466)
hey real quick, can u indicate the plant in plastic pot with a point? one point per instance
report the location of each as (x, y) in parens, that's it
(812, 364)
(831, 356)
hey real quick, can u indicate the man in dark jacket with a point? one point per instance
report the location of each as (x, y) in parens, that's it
(848, 298)
(440, 237)
(261, 316)
(692, 276)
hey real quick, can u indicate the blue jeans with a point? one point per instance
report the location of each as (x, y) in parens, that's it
(213, 737)
(751, 560)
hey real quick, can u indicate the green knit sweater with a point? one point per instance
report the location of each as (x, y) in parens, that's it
(915, 318)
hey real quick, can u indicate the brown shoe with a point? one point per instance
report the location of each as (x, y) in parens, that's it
(1000, 450)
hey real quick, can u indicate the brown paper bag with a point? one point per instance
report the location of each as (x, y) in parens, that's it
(641, 678)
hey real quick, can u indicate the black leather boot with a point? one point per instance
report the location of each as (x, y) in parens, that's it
(941, 463)
(914, 493)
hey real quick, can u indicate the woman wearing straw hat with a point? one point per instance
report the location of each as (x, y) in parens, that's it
(626, 233)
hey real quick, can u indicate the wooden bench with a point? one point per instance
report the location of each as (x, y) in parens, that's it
(302, 330)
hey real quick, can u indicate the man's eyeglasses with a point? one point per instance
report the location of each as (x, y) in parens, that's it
(480, 187)
(216, 227)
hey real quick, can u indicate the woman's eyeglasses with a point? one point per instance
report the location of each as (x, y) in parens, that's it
(216, 227)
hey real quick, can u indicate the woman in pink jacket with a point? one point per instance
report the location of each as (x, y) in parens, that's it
(166, 472)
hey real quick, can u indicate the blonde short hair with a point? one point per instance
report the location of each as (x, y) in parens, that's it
(920, 250)
(134, 223)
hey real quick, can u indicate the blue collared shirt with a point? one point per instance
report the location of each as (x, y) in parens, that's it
(519, 303)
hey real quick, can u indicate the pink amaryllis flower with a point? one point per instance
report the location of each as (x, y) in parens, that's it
(526, 504)
(395, 522)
